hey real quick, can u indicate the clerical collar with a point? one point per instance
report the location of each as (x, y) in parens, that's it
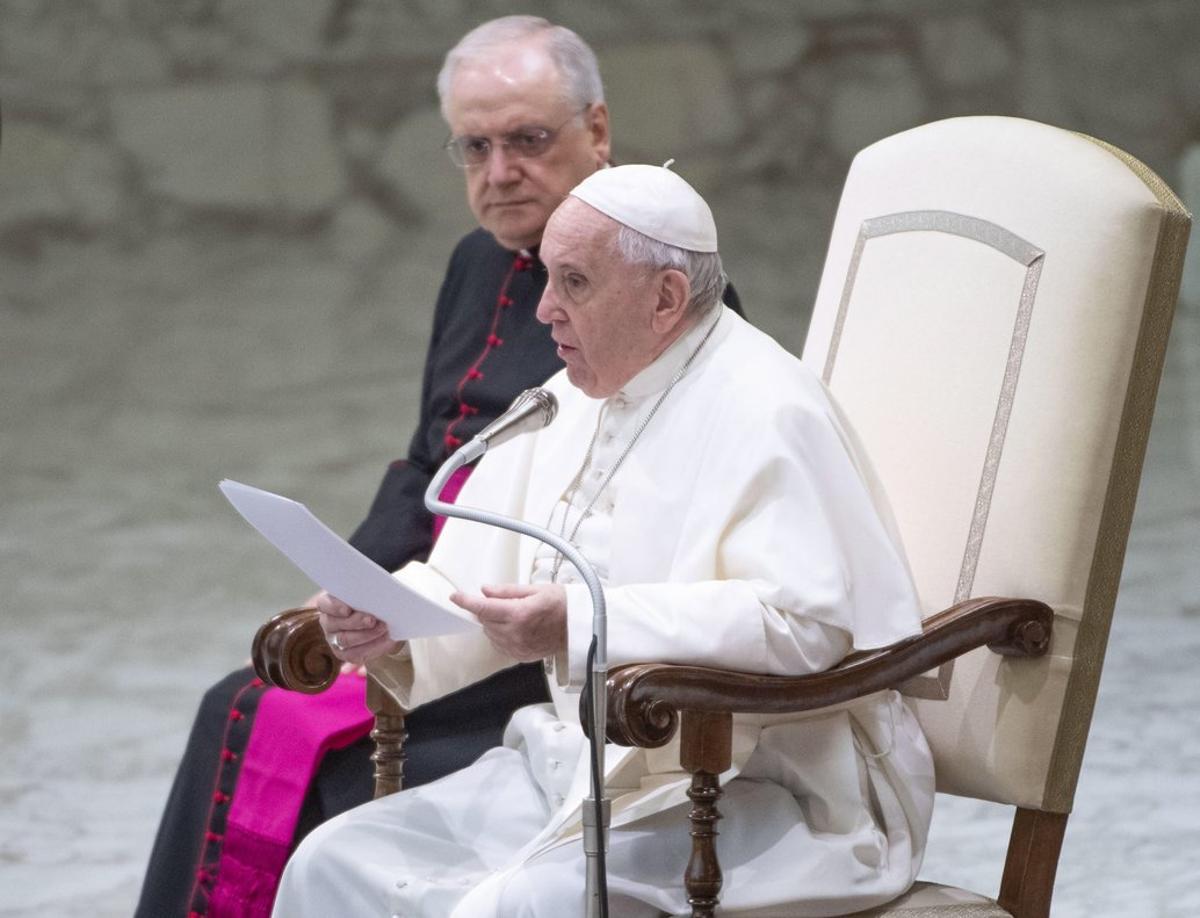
(655, 377)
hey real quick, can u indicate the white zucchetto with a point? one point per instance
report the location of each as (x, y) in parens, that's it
(654, 201)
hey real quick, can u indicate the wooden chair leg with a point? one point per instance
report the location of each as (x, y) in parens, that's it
(703, 877)
(389, 736)
(706, 744)
(1033, 849)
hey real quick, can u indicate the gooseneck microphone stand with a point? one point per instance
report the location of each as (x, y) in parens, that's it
(596, 808)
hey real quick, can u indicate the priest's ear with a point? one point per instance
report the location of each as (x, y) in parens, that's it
(673, 293)
(596, 122)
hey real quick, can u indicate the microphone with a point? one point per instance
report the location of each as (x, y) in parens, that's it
(532, 410)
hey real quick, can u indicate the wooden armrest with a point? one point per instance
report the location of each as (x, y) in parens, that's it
(290, 652)
(645, 698)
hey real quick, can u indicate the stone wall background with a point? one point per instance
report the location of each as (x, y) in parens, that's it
(222, 225)
(284, 122)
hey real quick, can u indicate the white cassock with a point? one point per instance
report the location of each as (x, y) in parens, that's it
(742, 531)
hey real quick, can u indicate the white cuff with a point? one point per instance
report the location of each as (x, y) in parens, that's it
(394, 673)
(571, 669)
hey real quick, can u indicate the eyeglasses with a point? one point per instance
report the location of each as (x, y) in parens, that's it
(471, 151)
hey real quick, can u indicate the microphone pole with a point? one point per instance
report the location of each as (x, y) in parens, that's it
(532, 410)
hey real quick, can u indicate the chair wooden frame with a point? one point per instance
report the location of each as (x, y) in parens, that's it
(290, 652)
(649, 702)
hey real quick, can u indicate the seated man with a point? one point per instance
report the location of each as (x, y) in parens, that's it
(525, 105)
(706, 474)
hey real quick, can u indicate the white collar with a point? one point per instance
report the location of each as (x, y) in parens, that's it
(659, 374)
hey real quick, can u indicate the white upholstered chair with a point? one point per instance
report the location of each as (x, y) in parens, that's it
(992, 319)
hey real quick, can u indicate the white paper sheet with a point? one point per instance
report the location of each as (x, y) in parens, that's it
(336, 566)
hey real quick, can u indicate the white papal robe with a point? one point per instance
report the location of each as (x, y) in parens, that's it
(743, 530)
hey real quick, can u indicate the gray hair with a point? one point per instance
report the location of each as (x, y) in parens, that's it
(576, 62)
(703, 270)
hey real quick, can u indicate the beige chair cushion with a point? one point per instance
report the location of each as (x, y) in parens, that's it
(924, 900)
(931, 900)
(990, 285)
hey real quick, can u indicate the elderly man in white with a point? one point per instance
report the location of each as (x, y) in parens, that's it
(707, 475)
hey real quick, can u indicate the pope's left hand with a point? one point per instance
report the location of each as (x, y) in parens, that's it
(526, 621)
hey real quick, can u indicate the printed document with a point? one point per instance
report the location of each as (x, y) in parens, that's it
(335, 565)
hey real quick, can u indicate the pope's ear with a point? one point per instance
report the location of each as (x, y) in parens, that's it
(674, 291)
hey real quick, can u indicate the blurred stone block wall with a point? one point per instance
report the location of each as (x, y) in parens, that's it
(212, 204)
(127, 120)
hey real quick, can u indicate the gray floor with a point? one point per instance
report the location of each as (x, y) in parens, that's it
(130, 387)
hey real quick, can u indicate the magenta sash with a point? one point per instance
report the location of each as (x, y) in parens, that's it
(450, 494)
(291, 733)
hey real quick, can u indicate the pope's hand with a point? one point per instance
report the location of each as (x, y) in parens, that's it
(355, 637)
(526, 621)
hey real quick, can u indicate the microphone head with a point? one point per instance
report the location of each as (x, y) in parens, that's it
(533, 409)
(544, 400)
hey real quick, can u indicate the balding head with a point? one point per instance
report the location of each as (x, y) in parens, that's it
(577, 72)
(514, 107)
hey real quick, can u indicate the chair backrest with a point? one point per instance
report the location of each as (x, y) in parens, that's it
(992, 318)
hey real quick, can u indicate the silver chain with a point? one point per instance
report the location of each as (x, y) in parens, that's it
(577, 481)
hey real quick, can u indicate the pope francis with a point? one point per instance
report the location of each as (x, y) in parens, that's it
(710, 479)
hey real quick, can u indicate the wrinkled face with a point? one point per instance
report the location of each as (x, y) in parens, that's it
(511, 88)
(601, 311)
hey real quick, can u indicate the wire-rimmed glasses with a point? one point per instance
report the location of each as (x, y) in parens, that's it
(469, 151)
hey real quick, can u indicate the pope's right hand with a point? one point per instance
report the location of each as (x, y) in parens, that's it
(355, 637)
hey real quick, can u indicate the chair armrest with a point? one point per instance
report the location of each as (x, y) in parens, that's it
(644, 698)
(290, 652)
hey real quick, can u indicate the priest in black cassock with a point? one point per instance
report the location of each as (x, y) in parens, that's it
(525, 106)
